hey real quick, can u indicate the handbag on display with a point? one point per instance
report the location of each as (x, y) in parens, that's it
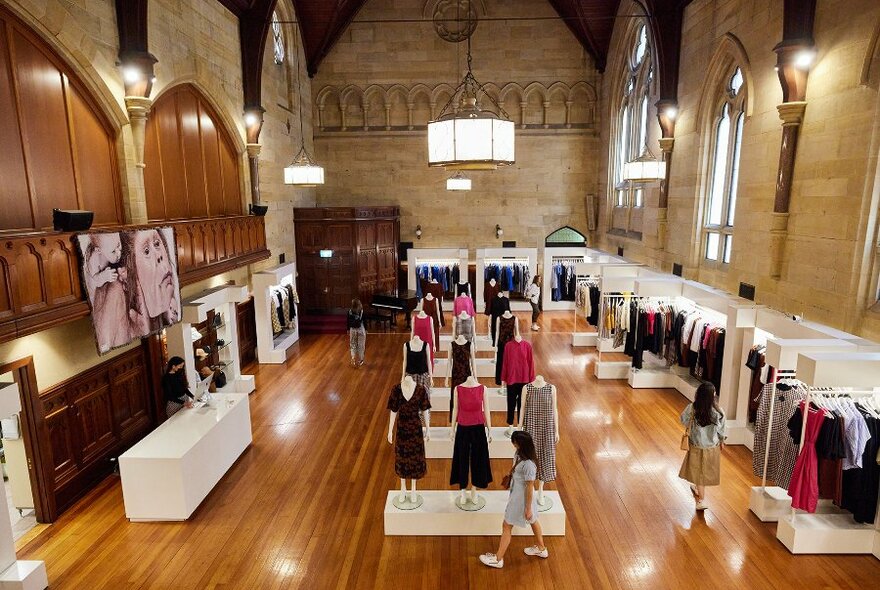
(686, 437)
(218, 320)
(219, 378)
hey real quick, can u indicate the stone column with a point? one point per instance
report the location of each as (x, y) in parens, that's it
(253, 118)
(138, 109)
(667, 111)
(792, 115)
(253, 152)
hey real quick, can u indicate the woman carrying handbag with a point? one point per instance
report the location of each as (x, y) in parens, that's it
(706, 430)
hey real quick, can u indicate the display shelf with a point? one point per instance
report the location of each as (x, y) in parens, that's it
(485, 367)
(484, 255)
(773, 503)
(272, 349)
(439, 516)
(440, 399)
(551, 255)
(834, 533)
(416, 256)
(440, 444)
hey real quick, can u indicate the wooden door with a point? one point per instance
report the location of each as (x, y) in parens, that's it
(247, 332)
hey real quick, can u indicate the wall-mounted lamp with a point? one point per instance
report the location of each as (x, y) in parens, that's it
(498, 231)
(131, 74)
(671, 112)
(137, 73)
(418, 232)
(253, 123)
(804, 58)
(250, 118)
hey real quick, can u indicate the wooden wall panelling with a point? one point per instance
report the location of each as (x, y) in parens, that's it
(188, 117)
(247, 332)
(58, 146)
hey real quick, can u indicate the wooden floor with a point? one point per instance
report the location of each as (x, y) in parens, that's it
(303, 506)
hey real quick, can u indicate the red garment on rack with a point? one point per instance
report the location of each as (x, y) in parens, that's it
(804, 486)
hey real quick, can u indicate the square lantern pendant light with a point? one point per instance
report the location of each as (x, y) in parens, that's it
(303, 171)
(458, 182)
(644, 169)
(470, 138)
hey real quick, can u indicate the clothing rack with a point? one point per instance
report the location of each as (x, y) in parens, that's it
(582, 280)
(507, 260)
(779, 374)
(604, 298)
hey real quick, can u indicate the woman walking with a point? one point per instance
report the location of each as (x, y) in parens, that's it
(522, 506)
(357, 334)
(533, 294)
(706, 429)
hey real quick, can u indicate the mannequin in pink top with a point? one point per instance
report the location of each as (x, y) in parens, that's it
(423, 327)
(470, 436)
(517, 370)
(464, 303)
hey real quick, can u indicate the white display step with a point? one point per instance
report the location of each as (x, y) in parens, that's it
(607, 345)
(769, 504)
(485, 367)
(612, 369)
(280, 348)
(687, 386)
(438, 515)
(440, 399)
(579, 339)
(825, 533)
(24, 575)
(483, 342)
(440, 444)
(652, 378)
(244, 384)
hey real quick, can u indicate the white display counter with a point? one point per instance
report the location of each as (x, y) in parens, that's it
(167, 474)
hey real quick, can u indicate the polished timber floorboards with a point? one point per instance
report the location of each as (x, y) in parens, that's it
(303, 506)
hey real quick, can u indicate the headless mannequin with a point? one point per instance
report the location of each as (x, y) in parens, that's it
(430, 297)
(488, 308)
(471, 382)
(489, 327)
(408, 386)
(507, 315)
(538, 383)
(461, 340)
(416, 344)
(422, 315)
(463, 316)
(517, 338)
(465, 283)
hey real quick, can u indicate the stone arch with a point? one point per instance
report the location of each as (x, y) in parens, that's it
(375, 100)
(351, 104)
(535, 98)
(440, 95)
(81, 60)
(232, 125)
(870, 75)
(729, 52)
(329, 108)
(419, 96)
(397, 101)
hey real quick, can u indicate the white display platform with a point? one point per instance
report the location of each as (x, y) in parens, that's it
(483, 342)
(439, 516)
(579, 339)
(651, 378)
(24, 575)
(740, 433)
(612, 369)
(877, 545)
(485, 367)
(270, 348)
(170, 471)
(825, 533)
(607, 345)
(440, 399)
(769, 504)
(440, 445)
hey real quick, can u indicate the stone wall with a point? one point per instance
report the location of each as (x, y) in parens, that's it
(389, 79)
(828, 272)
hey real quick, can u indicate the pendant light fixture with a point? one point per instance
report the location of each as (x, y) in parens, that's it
(303, 172)
(470, 138)
(458, 182)
(644, 169)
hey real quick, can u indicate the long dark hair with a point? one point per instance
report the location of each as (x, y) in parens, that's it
(704, 402)
(173, 362)
(525, 447)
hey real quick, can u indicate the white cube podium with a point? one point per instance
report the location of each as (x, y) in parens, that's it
(439, 516)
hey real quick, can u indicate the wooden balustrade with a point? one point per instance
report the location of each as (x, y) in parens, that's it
(40, 284)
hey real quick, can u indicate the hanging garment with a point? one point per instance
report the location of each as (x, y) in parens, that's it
(461, 367)
(539, 421)
(490, 294)
(437, 290)
(519, 365)
(465, 327)
(276, 317)
(506, 331)
(409, 450)
(785, 405)
(860, 486)
(471, 450)
(422, 327)
(804, 487)
(464, 303)
(429, 306)
(500, 304)
(595, 295)
(463, 289)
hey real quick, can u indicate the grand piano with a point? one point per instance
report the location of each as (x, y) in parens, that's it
(400, 301)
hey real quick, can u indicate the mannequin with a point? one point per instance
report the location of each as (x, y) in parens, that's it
(507, 328)
(517, 370)
(500, 304)
(416, 365)
(431, 306)
(423, 327)
(463, 288)
(471, 450)
(462, 364)
(540, 418)
(464, 303)
(464, 326)
(489, 292)
(406, 400)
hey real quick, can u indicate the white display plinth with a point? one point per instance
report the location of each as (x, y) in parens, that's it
(24, 575)
(271, 348)
(740, 433)
(612, 369)
(877, 545)
(169, 472)
(825, 533)
(769, 504)
(485, 367)
(607, 345)
(440, 399)
(440, 445)
(439, 516)
(651, 378)
(579, 339)
(482, 341)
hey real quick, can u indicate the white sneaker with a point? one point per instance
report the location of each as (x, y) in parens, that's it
(492, 561)
(701, 506)
(535, 552)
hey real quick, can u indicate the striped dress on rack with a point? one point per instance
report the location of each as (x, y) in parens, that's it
(540, 422)
(783, 450)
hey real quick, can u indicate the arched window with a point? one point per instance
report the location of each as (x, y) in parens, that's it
(727, 132)
(566, 236)
(277, 39)
(631, 133)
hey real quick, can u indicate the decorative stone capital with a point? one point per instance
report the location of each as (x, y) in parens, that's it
(667, 144)
(253, 150)
(792, 113)
(778, 237)
(138, 108)
(779, 223)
